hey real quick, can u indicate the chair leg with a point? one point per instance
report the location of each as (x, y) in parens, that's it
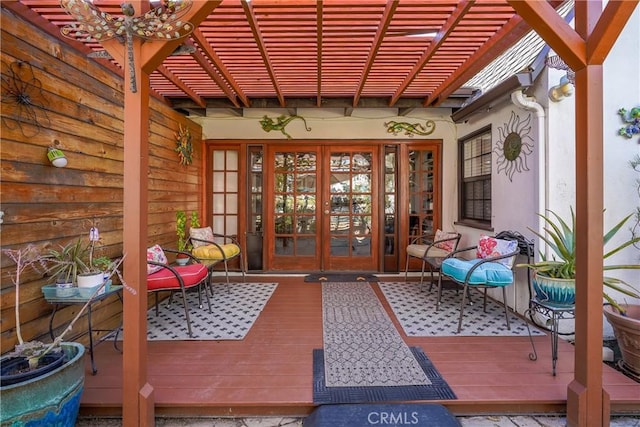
(186, 312)
(226, 273)
(422, 273)
(406, 268)
(242, 269)
(199, 297)
(439, 292)
(462, 304)
(210, 281)
(504, 302)
(432, 278)
(205, 283)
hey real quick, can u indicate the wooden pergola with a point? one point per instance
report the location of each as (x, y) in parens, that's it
(583, 49)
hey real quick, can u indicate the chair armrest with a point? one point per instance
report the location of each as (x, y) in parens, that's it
(226, 237)
(425, 238)
(434, 243)
(457, 251)
(175, 251)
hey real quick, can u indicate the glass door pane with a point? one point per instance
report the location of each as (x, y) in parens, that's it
(294, 243)
(421, 192)
(349, 210)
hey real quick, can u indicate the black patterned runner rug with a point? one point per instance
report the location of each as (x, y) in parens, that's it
(364, 355)
(361, 345)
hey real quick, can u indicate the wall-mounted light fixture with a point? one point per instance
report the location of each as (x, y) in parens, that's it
(56, 157)
(563, 90)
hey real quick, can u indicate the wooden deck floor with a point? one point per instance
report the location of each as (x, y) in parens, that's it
(270, 371)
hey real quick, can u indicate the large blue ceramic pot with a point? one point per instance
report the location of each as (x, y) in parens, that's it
(52, 399)
(555, 292)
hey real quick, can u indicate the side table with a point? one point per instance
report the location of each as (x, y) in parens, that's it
(74, 296)
(555, 313)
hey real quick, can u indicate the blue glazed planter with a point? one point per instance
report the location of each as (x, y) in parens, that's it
(52, 399)
(556, 292)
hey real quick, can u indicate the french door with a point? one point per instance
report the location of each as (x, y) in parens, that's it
(322, 204)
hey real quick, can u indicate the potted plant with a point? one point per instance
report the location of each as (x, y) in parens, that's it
(554, 279)
(626, 322)
(65, 263)
(90, 276)
(181, 232)
(72, 265)
(40, 383)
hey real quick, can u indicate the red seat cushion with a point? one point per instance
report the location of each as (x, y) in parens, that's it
(191, 274)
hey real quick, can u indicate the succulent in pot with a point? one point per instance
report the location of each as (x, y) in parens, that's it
(554, 279)
(41, 383)
(67, 262)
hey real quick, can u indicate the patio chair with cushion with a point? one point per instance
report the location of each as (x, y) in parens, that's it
(212, 248)
(162, 276)
(492, 267)
(432, 249)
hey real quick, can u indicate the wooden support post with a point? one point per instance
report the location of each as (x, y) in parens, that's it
(137, 393)
(585, 395)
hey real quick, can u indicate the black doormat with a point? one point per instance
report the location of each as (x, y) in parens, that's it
(437, 390)
(340, 277)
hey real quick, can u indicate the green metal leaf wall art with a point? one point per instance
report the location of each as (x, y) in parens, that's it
(410, 129)
(514, 145)
(268, 124)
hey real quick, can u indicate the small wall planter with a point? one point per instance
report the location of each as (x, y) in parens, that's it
(52, 399)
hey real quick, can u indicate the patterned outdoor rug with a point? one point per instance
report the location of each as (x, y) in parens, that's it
(234, 312)
(438, 389)
(361, 345)
(340, 277)
(415, 309)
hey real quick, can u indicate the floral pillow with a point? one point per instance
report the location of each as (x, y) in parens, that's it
(490, 247)
(155, 253)
(200, 234)
(449, 244)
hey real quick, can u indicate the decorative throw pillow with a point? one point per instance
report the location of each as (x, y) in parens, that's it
(490, 247)
(200, 234)
(448, 245)
(155, 253)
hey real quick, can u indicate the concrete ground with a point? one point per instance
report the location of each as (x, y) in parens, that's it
(480, 421)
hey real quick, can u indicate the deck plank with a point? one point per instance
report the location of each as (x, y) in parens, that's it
(270, 371)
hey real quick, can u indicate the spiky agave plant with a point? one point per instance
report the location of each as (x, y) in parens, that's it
(560, 237)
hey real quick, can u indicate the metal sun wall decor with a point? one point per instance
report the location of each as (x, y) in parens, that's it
(22, 92)
(632, 119)
(410, 129)
(161, 23)
(280, 123)
(184, 148)
(513, 146)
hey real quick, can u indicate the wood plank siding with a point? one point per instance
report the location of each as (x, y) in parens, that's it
(270, 371)
(49, 206)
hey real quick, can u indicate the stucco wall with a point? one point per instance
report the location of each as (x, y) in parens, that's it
(332, 124)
